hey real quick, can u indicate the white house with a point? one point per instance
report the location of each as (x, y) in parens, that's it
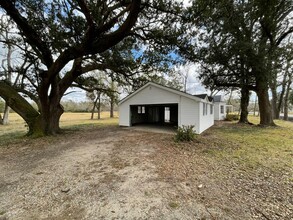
(157, 104)
(220, 107)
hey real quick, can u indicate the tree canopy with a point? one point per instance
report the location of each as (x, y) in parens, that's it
(241, 46)
(63, 40)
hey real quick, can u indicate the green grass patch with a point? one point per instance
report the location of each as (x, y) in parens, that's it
(12, 137)
(173, 205)
(254, 146)
(91, 125)
(17, 129)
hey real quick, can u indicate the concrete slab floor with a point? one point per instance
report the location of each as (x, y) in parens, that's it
(154, 128)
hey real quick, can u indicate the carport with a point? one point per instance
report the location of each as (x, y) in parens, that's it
(158, 105)
(156, 114)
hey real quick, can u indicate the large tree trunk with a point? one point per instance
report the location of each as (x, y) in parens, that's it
(286, 106)
(265, 109)
(282, 93)
(286, 98)
(244, 105)
(51, 109)
(46, 124)
(50, 119)
(112, 107)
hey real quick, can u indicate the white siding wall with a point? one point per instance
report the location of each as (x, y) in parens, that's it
(124, 115)
(189, 113)
(218, 114)
(216, 111)
(206, 120)
(152, 95)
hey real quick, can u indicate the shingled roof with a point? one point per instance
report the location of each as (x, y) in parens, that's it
(203, 96)
(218, 98)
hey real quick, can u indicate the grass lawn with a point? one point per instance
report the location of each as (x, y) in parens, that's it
(254, 146)
(17, 128)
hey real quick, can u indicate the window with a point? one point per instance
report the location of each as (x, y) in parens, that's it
(205, 108)
(222, 109)
(141, 109)
(211, 110)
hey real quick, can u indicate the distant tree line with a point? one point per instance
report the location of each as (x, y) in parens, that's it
(73, 106)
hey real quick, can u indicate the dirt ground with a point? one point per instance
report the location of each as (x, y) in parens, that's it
(115, 173)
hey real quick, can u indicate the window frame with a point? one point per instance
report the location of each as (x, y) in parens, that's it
(140, 109)
(222, 109)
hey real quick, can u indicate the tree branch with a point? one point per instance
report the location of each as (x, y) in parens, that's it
(37, 44)
(17, 102)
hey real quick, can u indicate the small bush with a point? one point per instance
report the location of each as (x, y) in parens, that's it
(185, 133)
(232, 117)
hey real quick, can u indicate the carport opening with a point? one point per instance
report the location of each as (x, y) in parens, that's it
(160, 115)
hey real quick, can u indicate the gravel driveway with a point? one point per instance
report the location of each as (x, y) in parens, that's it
(112, 173)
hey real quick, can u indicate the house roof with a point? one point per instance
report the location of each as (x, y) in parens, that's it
(204, 96)
(218, 98)
(199, 99)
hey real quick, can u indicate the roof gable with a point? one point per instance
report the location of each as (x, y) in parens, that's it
(171, 90)
(205, 96)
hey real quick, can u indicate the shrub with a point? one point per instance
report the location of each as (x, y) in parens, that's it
(232, 117)
(185, 133)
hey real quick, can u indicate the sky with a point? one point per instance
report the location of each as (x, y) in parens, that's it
(191, 71)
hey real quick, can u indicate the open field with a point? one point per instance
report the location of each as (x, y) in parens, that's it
(100, 171)
(17, 127)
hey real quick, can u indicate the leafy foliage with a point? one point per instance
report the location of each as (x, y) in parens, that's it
(63, 40)
(232, 117)
(185, 133)
(242, 44)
